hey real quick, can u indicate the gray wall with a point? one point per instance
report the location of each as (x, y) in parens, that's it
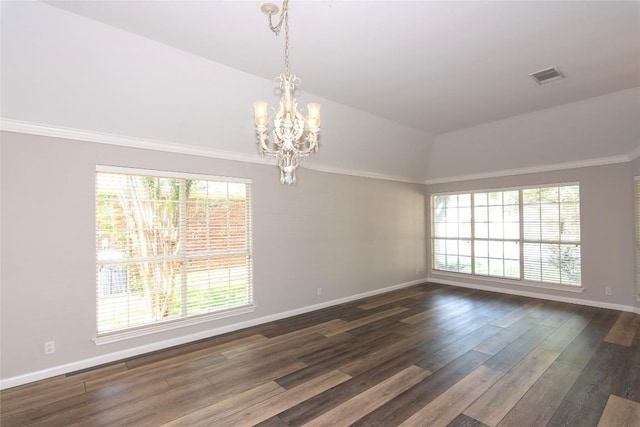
(607, 224)
(345, 234)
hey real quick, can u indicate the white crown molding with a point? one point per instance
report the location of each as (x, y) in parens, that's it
(634, 154)
(19, 126)
(533, 169)
(361, 174)
(135, 351)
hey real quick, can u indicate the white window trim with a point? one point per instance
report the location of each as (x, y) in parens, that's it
(510, 282)
(169, 174)
(170, 325)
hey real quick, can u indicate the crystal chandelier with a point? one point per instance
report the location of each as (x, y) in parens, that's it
(293, 136)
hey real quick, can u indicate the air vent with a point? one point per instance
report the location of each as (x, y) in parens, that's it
(547, 75)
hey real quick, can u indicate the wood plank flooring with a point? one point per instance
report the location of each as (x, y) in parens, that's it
(429, 355)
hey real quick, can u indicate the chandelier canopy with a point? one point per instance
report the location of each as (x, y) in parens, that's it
(286, 133)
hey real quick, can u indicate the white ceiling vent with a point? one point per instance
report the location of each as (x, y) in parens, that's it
(547, 75)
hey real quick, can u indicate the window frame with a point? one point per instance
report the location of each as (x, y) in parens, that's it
(521, 238)
(186, 319)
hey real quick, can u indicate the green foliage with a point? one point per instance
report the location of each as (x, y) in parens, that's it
(566, 258)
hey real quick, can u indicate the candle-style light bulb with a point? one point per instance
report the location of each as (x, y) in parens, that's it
(260, 108)
(313, 115)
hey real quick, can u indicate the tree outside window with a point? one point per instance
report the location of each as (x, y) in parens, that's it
(169, 248)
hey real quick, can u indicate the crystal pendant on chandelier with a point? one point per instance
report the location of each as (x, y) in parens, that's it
(291, 136)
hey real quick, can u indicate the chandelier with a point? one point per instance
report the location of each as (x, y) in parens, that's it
(291, 136)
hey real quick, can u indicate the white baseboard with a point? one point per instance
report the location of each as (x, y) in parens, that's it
(124, 354)
(519, 292)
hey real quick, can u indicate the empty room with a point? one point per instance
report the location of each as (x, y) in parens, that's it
(324, 213)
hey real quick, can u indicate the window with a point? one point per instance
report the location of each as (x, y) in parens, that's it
(528, 234)
(496, 225)
(452, 232)
(551, 218)
(170, 248)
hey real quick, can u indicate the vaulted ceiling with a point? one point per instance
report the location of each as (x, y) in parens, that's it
(415, 90)
(437, 66)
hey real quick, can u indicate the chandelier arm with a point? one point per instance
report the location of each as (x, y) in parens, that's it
(312, 140)
(264, 142)
(263, 139)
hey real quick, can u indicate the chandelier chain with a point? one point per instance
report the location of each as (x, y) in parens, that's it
(285, 12)
(284, 17)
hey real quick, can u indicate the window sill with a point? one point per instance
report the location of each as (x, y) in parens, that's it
(504, 281)
(169, 325)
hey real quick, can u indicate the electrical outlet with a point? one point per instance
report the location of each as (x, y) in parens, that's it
(607, 291)
(319, 292)
(49, 347)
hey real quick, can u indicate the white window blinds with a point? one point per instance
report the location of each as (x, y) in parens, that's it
(451, 232)
(496, 224)
(551, 228)
(530, 234)
(170, 247)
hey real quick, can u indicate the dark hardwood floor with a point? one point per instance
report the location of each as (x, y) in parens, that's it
(429, 355)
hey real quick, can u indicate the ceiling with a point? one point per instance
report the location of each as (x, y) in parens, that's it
(435, 66)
